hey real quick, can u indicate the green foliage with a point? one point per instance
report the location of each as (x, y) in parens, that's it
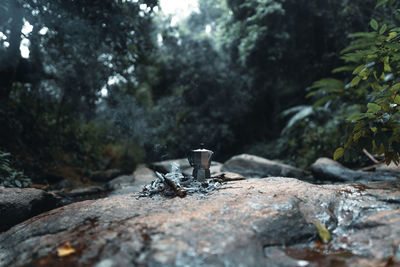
(48, 102)
(282, 46)
(10, 177)
(171, 87)
(374, 62)
(310, 133)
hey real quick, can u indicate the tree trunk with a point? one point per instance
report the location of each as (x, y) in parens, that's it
(9, 65)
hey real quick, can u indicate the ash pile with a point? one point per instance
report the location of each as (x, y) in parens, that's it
(177, 184)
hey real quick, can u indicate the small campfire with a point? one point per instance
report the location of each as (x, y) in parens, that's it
(177, 184)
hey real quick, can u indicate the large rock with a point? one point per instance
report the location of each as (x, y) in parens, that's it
(325, 169)
(17, 205)
(256, 222)
(80, 194)
(252, 166)
(131, 183)
(185, 168)
(106, 175)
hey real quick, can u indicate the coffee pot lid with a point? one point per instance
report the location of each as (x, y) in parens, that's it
(202, 150)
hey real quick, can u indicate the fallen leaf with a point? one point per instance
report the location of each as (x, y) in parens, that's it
(65, 250)
(323, 232)
(38, 186)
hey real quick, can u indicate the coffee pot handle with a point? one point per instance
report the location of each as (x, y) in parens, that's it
(211, 154)
(190, 159)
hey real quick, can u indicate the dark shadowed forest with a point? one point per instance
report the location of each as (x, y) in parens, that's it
(95, 85)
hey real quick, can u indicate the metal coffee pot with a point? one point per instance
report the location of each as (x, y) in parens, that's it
(200, 160)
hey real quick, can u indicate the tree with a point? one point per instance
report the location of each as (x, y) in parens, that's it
(282, 46)
(75, 47)
(373, 61)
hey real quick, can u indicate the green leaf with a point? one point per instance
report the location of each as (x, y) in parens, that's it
(342, 69)
(363, 34)
(358, 126)
(356, 117)
(392, 35)
(329, 83)
(396, 99)
(323, 100)
(355, 81)
(386, 66)
(338, 153)
(383, 29)
(374, 108)
(396, 87)
(364, 74)
(357, 135)
(376, 86)
(374, 24)
(374, 129)
(324, 91)
(358, 69)
(357, 46)
(381, 3)
(18, 183)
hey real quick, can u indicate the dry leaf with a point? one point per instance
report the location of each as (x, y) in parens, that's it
(65, 250)
(323, 232)
(38, 186)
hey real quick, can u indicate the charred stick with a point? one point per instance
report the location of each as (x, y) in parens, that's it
(177, 189)
(226, 179)
(221, 178)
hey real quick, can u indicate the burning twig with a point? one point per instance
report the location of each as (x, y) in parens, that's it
(177, 189)
(174, 186)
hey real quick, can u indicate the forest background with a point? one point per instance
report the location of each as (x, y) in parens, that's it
(112, 84)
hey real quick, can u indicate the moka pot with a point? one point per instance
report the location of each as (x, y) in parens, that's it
(200, 160)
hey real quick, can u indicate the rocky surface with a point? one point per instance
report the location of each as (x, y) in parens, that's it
(255, 222)
(325, 169)
(17, 205)
(252, 166)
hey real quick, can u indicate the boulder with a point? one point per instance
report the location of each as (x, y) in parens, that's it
(252, 166)
(80, 194)
(105, 176)
(19, 204)
(254, 222)
(83, 191)
(131, 183)
(120, 182)
(325, 169)
(185, 168)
